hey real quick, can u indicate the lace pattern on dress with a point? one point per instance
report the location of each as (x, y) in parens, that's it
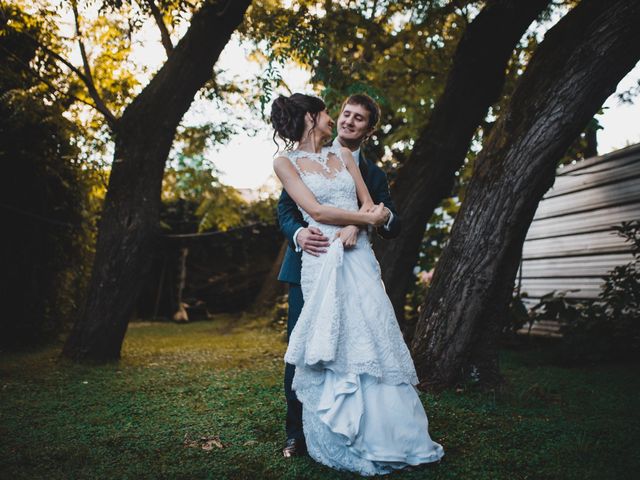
(327, 162)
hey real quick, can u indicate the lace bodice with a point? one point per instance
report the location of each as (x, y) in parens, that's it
(326, 175)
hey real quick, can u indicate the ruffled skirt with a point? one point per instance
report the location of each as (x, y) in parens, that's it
(354, 375)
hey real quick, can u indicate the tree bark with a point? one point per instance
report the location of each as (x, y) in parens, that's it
(128, 230)
(181, 315)
(271, 287)
(569, 77)
(591, 150)
(474, 83)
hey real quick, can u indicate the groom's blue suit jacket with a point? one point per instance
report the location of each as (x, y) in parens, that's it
(290, 218)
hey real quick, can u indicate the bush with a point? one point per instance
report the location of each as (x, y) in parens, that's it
(48, 238)
(608, 328)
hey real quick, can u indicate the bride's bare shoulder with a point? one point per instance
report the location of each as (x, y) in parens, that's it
(282, 166)
(347, 155)
(281, 160)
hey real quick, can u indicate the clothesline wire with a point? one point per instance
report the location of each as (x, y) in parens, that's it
(38, 217)
(166, 235)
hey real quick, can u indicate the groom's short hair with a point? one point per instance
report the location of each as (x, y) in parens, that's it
(368, 103)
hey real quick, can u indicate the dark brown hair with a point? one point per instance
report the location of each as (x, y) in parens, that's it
(287, 116)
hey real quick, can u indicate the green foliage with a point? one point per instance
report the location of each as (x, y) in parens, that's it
(365, 46)
(195, 140)
(607, 329)
(224, 208)
(48, 202)
(194, 199)
(280, 314)
(109, 32)
(221, 208)
(223, 378)
(433, 243)
(174, 12)
(610, 328)
(516, 318)
(585, 146)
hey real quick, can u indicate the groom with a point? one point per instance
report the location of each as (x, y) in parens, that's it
(357, 121)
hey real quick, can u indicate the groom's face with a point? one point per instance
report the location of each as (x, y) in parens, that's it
(353, 123)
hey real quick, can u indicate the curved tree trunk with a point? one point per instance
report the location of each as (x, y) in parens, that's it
(128, 229)
(474, 83)
(569, 77)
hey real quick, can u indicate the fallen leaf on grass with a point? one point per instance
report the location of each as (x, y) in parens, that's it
(206, 443)
(210, 442)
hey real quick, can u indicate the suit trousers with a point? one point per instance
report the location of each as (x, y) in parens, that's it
(294, 407)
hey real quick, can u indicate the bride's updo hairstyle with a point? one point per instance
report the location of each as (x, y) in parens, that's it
(287, 116)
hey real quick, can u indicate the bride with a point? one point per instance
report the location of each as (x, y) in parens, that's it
(354, 375)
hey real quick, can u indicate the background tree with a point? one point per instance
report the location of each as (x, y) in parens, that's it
(143, 137)
(473, 84)
(570, 75)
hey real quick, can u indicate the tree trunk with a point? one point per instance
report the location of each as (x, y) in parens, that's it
(181, 315)
(474, 83)
(128, 230)
(569, 77)
(591, 149)
(271, 287)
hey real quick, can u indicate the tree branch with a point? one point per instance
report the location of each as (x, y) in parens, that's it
(111, 119)
(374, 7)
(45, 80)
(88, 77)
(164, 32)
(170, 92)
(418, 70)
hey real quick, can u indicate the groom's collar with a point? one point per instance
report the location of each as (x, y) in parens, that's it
(355, 153)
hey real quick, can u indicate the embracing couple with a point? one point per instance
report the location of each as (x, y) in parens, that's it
(349, 378)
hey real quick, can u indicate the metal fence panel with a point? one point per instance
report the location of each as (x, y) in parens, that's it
(570, 244)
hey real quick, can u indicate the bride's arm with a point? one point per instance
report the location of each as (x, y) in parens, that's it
(361, 188)
(300, 194)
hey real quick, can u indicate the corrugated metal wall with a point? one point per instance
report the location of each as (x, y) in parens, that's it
(570, 244)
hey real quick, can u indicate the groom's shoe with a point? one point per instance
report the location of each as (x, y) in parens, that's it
(295, 447)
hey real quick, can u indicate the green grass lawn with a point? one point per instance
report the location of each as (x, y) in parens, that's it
(221, 379)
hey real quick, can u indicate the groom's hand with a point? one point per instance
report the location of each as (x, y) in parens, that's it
(312, 241)
(379, 214)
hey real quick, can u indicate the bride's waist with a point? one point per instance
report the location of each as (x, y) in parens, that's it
(331, 230)
(327, 230)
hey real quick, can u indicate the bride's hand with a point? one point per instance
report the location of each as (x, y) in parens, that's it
(348, 236)
(367, 207)
(378, 216)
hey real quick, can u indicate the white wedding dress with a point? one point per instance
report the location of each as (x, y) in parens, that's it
(354, 375)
